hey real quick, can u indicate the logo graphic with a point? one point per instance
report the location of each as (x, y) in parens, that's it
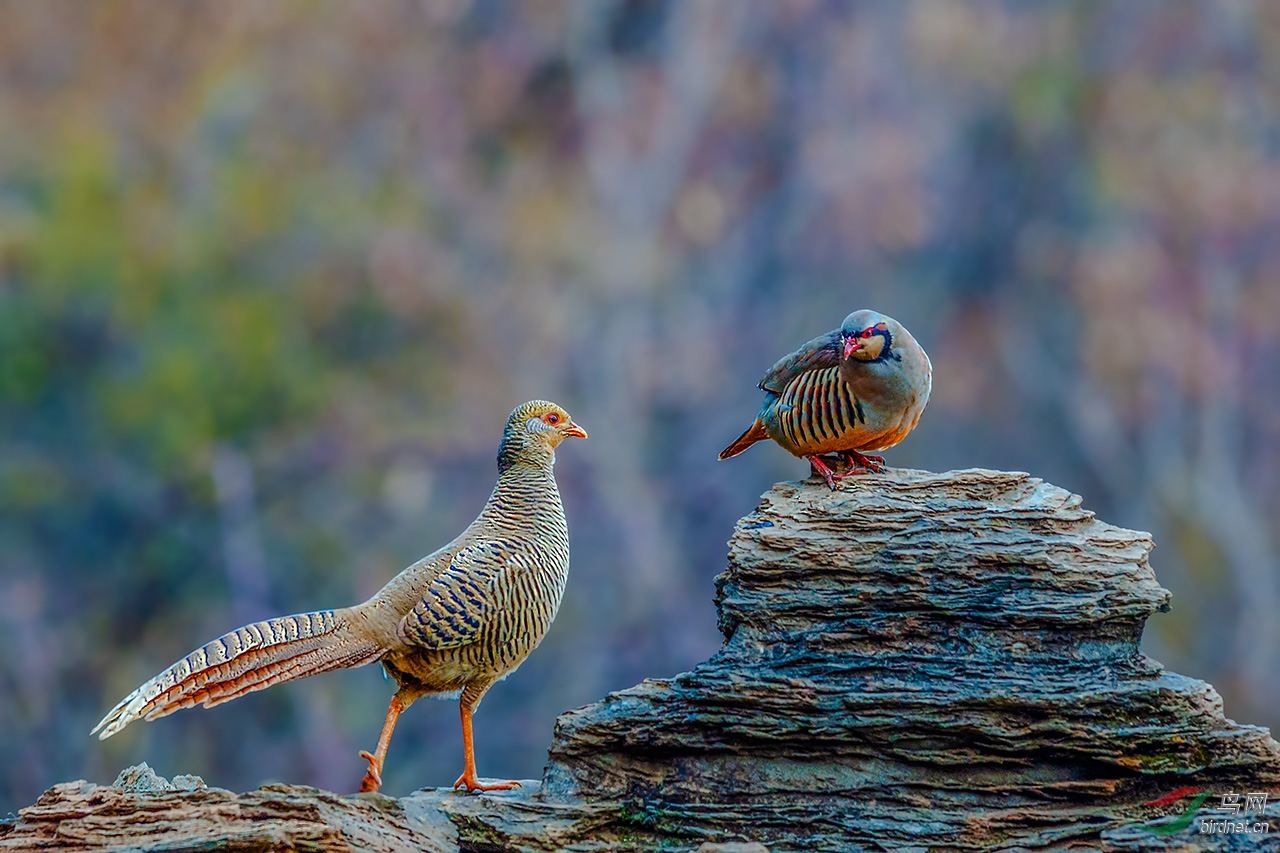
(1184, 819)
(1229, 818)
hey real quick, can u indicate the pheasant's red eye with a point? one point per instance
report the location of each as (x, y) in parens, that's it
(866, 333)
(553, 418)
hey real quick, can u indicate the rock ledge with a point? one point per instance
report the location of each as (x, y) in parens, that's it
(914, 661)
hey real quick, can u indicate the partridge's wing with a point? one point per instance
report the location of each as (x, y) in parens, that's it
(459, 601)
(821, 352)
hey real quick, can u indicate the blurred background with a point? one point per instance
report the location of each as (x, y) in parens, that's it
(272, 275)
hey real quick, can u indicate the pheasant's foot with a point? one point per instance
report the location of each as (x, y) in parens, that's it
(373, 776)
(858, 460)
(473, 784)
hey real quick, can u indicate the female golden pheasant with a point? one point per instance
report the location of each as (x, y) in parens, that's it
(453, 623)
(859, 388)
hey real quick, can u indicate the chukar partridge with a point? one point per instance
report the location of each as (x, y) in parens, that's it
(858, 389)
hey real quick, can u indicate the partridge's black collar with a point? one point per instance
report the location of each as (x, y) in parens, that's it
(886, 352)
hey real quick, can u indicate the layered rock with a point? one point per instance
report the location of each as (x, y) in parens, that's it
(915, 661)
(912, 660)
(144, 811)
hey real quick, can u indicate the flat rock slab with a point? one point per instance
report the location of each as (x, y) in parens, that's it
(79, 816)
(154, 815)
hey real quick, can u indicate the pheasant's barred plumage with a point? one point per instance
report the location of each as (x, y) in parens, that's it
(858, 389)
(455, 622)
(247, 659)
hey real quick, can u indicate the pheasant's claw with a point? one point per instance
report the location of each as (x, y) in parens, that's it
(373, 776)
(473, 785)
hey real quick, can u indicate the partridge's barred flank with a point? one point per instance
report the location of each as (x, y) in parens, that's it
(859, 388)
(455, 622)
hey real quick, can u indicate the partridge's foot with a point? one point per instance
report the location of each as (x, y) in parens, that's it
(858, 460)
(822, 468)
(472, 784)
(373, 776)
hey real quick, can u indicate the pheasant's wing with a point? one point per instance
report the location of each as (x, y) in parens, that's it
(460, 600)
(821, 352)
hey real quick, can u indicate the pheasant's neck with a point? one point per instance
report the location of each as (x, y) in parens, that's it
(526, 496)
(525, 508)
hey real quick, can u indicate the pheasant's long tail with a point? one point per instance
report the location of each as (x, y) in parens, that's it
(754, 433)
(247, 659)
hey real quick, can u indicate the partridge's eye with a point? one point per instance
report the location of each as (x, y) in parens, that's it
(866, 333)
(553, 418)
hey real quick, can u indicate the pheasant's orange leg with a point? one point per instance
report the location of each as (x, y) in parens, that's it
(468, 777)
(373, 776)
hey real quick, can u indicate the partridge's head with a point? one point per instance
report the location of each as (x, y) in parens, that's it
(867, 335)
(533, 432)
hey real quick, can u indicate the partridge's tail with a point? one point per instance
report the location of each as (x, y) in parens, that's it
(754, 433)
(247, 659)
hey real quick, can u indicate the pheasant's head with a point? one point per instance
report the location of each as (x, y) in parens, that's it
(533, 432)
(867, 335)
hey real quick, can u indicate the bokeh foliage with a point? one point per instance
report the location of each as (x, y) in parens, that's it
(271, 276)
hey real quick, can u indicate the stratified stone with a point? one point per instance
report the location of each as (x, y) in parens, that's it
(914, 660)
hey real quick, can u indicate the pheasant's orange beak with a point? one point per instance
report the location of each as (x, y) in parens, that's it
(575, 431)
(851, 346)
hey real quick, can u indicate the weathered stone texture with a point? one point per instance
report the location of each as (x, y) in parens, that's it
(915, 661)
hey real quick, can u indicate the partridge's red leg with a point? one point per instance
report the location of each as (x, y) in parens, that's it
(860, 460)
(468, 777)
(373, 776)
(820, 467)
